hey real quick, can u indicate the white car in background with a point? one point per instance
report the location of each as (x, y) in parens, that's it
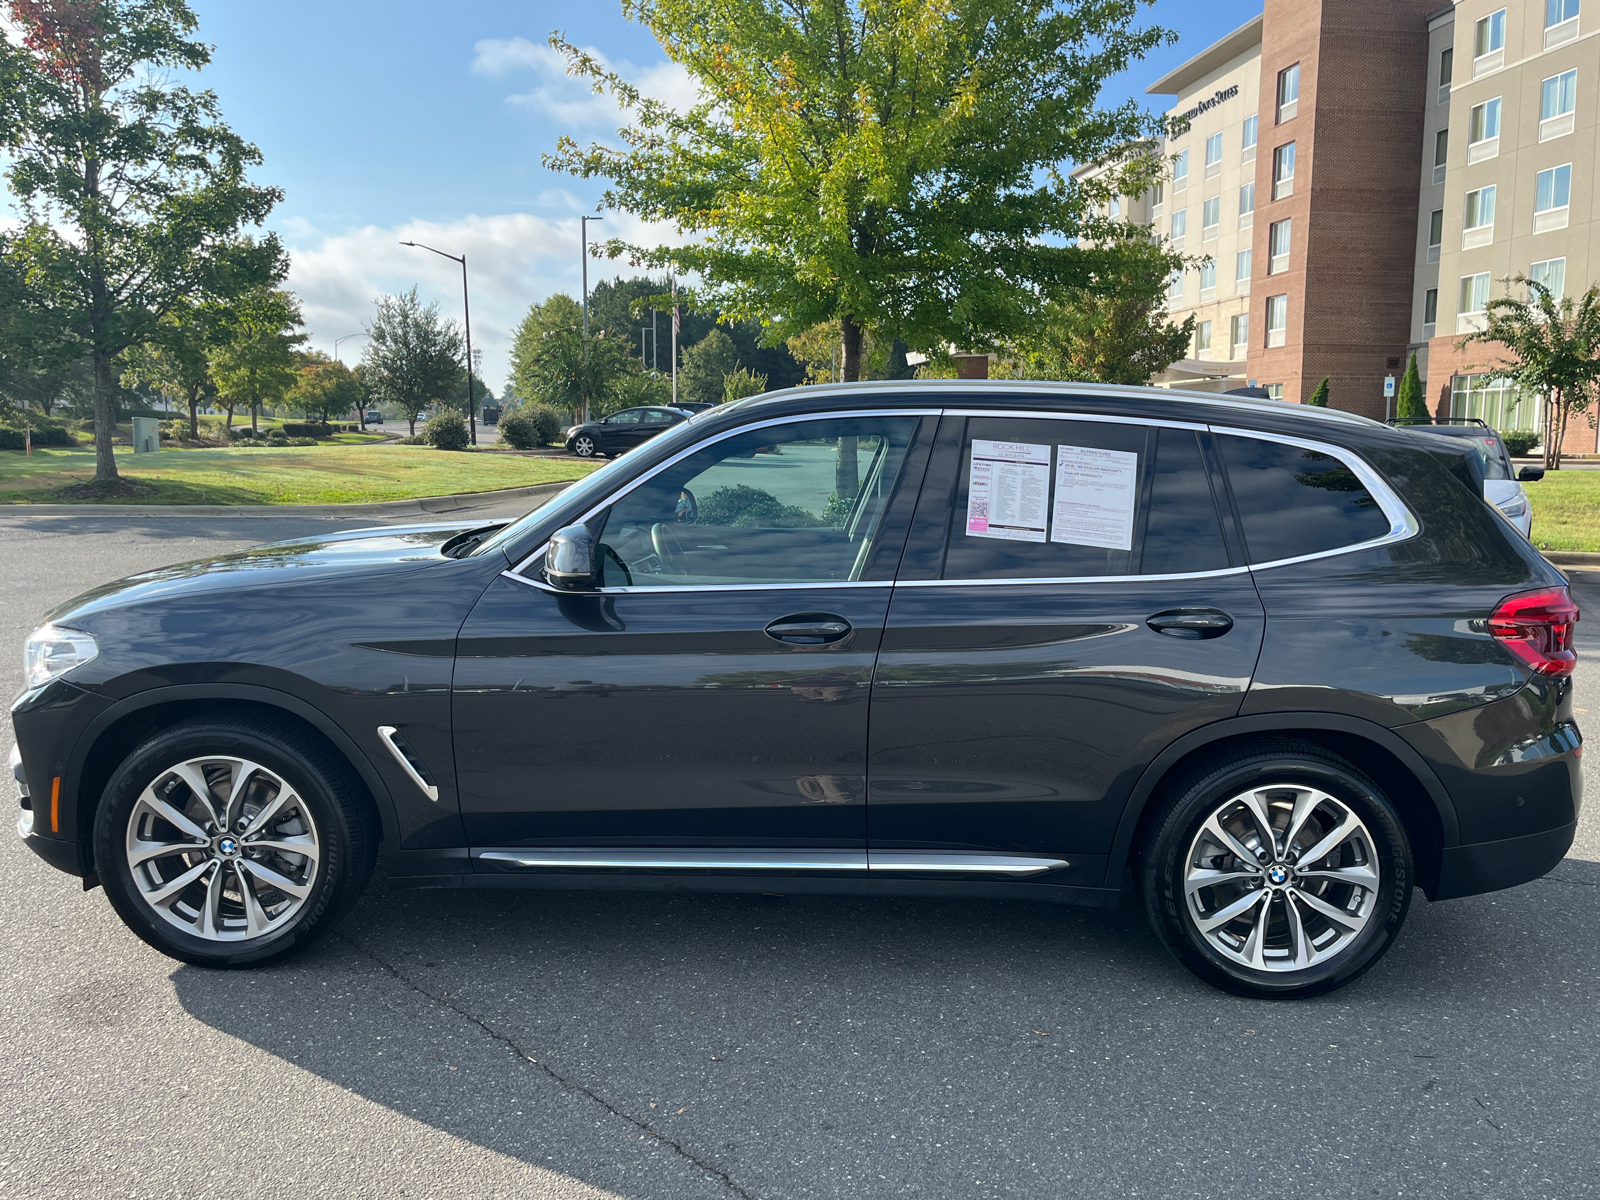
(1502, 481)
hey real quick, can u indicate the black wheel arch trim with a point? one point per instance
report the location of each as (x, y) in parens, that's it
(1283, 723)
(245, 693)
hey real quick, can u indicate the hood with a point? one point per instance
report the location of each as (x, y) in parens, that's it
(391, 548)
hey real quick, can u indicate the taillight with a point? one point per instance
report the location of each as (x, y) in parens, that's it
(1537, 628)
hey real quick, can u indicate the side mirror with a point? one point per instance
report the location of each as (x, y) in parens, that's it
(569, 559)
(1530, 474)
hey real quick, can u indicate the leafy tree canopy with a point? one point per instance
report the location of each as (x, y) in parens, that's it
(706, 365)
(325, 390)
(254, 362)
(412, 357)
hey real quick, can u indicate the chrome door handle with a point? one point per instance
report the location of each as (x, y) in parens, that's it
(809, 629)
(1191, 623)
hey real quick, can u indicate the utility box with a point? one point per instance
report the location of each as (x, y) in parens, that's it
(146, 435)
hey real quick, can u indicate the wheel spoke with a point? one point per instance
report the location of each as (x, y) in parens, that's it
(160, 895)
(210, 926)
(169, 813)
(1362, 877)
(1228, 912)
(1238, 849)
(1350, 921)
(1351, 824)
(282, 882)
(195, 778)
(1263, 819)
(255, 918)
(140, 853)
(241, 780)
(1254, 950)
(292, 845)
(1305, 803)
(1203, 877)
(1300, 951)
(274, 807)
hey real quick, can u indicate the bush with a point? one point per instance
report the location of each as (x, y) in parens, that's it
(49, 435)
(533, 426)
(310, 429)
(548, 423)
(446, 430)
(1520, 441)
(241, 433)
(419, 440)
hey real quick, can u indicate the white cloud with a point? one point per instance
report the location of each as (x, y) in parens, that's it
(514, 260)
(571, 101)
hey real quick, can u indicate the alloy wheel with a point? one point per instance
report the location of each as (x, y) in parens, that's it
(583, 447)
(222, 849)
(1281, 878)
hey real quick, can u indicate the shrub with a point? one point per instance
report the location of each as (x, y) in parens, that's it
(1319, 398)
(446, 430)
(535, 425)
(741, 383)
(310, 429)
(49, 435)
(517, 432)
(241, 433)
(418, 440)
(1520, 441)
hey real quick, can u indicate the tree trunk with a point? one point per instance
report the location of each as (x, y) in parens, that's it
(194, 413)
(255, 406)
(850, 337)
(1561, 428)
(105, 420)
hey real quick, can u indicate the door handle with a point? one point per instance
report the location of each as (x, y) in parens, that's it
(1191, 623)
(809, 629)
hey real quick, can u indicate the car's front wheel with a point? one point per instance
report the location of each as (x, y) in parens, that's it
(229, 844)
(585, 446)
(1280, 870)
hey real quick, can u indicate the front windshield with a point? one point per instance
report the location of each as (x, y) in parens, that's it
(588, 490)
(1493, 453)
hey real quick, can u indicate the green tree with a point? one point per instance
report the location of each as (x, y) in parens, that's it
(742, 383)
(1409, 401)
(706, 365)
(254, 362)
(412, 357)
(1319, 395)
(1553, 350)
(131, 186)
(892, 165)
(177, 359)
(552, 363)
(324, 390)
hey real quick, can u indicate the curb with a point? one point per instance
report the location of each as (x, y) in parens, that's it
(1571, 558)
(420, 506)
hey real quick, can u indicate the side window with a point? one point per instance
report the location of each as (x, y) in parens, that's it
(1053, 499)
(1294, 501)
(626, 417)
(797, 503)
(653, 416)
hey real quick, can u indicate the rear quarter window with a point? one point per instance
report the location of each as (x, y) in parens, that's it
(1295, 501)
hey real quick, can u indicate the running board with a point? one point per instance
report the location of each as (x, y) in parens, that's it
(871, 862)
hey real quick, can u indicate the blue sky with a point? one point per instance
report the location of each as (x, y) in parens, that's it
(395, 120)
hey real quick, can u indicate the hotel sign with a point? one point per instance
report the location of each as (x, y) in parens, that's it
(1221, 95)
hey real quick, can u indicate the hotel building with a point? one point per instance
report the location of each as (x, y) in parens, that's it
(1361, 179)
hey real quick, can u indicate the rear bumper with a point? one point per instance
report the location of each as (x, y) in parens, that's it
(1490, 866)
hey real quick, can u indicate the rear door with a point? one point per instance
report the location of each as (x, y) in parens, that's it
(1070, 602)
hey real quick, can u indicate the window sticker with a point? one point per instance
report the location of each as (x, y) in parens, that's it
(1009, 494)
(1095, 494)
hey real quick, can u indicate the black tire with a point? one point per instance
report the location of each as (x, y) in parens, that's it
(345, 828)
(1174, 835)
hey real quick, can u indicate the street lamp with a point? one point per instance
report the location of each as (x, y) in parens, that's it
(338, 341)
(583, 254)
(466, 308)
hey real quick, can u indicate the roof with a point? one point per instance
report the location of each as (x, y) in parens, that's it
(1449, 10)
(1216, 55)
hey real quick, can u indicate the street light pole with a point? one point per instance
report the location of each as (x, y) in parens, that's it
(583, 254)
(338, 341)
(466, 310)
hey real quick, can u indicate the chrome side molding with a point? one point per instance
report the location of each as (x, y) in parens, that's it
(811, 860)
(391, 738)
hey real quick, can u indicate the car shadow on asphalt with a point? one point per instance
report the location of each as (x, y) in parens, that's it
(754, 1033)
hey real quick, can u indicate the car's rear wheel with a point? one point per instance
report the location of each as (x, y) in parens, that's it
(585, 446)
(231, 844)
(1279, 871)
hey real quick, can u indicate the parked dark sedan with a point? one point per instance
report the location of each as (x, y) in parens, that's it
(1275, 666)
(622, 431)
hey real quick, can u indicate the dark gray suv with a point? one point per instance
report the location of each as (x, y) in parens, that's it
(1267, 668)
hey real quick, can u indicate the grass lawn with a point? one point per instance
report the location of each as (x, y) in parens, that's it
(1566, 510)
(325, 474)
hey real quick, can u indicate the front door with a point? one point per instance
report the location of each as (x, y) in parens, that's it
(713, 691)
(1070, 604)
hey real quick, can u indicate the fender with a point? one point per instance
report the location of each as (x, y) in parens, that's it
(1278, 722)
(254, 693)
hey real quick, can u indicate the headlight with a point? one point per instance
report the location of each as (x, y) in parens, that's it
(1517, 506)
(51, 651)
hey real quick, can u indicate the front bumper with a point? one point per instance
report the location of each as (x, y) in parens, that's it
(1491, 866)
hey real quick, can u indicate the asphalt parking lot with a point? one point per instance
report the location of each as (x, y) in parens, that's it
(528, 1044)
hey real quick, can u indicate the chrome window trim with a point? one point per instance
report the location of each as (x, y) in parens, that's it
(1402, 522)
(929, 583)
(870, 861)
(1102, 418)
(723, 436)
(703, 587)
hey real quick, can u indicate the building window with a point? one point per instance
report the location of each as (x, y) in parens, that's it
(1247, 204)
(1114, 207)
(1483, 131)
(1180, 170)
(1447, 58)
(1472, 303)
(1551, 195)
(1175, 286)
(1278, 247)
(1496, 402)
(1489, 44)
(1274, 391)
(1208, 278)
(1277, 320)
(1441, 150)
(1157, 195)
(1283, 171)
(1552, 273)
(1558, 103)
(1478, 223)
(1288, 92)
(1435, 234)
(1430, 309)
(1242, 264)
(1213, 155)
(1239, 332)
(1560, 22)
(1202, 339)
(1251, 123)
(1180, 225)
(1210, 217)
